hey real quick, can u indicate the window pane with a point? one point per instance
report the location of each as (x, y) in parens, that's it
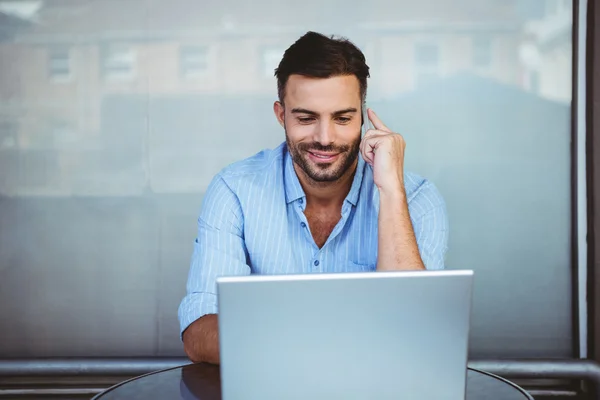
(102, 180)
(194, 60)
(59, 66)
(118, 62)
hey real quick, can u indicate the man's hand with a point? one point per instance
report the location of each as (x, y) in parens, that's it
(384, 151)
(397, 245)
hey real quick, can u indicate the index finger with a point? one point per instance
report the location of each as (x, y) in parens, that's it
(377, 122)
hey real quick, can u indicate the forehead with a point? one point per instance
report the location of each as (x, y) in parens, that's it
(336, 92)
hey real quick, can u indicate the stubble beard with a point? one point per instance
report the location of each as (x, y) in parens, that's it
(323, 173)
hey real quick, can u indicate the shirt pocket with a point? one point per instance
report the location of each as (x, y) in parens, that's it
(356, 267)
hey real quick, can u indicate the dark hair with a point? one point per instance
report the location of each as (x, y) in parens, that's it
(318, 56)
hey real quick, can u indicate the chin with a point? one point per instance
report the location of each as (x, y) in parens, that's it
(327, 175)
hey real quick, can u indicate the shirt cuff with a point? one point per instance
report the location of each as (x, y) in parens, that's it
(194, 306)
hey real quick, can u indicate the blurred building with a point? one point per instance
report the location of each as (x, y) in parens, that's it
(115, 97)
(546, 54)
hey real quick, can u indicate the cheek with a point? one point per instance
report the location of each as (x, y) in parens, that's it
(300, 133)
(350, 132)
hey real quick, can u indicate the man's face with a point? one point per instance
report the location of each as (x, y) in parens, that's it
(322, 121)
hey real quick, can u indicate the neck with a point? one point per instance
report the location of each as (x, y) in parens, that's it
(326, 194)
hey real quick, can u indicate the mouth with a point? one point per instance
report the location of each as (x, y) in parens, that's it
(321, 157)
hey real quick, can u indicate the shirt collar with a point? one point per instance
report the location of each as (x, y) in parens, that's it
(294, 191)
(357, 181)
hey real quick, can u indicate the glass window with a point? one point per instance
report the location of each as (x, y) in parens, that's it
(98, 209)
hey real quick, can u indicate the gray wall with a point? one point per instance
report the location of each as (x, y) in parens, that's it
(114, 116)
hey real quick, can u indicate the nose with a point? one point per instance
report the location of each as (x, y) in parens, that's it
(325, 133)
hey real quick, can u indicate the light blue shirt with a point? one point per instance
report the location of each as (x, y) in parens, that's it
(252, 222)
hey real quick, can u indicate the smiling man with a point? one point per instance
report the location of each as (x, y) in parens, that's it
(326, 200)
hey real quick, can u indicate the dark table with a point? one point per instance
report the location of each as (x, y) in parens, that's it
(203, 381)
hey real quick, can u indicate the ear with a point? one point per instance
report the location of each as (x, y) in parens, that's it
(279, 111)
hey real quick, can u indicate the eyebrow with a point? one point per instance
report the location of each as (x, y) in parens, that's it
(334, 114)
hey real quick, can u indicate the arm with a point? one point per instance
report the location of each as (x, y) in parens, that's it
(219, 250)
(397, 245)
(405, 244)
(201, 339)
(402, 246)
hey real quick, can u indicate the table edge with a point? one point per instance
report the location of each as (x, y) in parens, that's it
(115, 386)
(514, 385)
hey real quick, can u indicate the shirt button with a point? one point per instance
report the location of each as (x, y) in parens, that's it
(302, 224)
(316, 263)
(301, 201)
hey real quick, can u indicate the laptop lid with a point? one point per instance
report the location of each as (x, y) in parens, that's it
(374, 335)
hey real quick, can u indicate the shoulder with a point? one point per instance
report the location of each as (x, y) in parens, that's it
(231, 187)
(265, 165)
(423, 196)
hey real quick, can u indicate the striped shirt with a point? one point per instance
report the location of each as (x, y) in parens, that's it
(252, 222)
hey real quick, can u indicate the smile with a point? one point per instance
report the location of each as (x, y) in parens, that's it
(322, 157)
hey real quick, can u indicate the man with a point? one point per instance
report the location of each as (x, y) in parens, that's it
(323, 201)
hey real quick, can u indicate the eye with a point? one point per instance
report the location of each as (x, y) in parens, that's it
(343, 120)
(306, 120)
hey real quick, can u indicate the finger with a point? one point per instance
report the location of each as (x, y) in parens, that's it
(367, 156)
(364, 140)
(368, 134)
(367, 141)
(377, 122)
(375, 132)
(368, 147)
(363, 152)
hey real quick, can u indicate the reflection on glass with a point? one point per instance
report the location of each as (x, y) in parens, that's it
(130, 107)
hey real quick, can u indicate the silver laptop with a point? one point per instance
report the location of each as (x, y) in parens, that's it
(373, 335)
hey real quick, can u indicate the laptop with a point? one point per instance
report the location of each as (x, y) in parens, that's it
(366, 335)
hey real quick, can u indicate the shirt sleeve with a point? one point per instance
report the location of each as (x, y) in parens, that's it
(219, 250)
(430, 225)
